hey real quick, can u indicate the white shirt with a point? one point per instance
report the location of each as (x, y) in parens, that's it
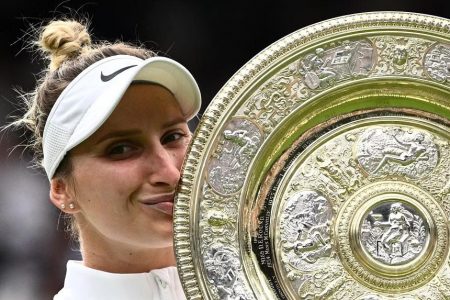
(83, 283)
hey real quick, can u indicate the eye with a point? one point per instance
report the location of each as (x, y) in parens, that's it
(174, 137)
(121, 150)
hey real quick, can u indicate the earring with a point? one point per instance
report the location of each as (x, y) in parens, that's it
(63, 206)
(71, 206)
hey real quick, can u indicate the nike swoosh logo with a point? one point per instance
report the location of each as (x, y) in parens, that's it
(106, 78)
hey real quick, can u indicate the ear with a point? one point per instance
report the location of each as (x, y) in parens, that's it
(62, 196)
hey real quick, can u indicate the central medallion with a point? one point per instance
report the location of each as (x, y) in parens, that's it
(394, 233)
(388, 238)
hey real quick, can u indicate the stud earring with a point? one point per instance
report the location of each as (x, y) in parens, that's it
(63, 206)
(71, 206)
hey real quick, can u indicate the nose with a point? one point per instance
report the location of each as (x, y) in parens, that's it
(163, 169)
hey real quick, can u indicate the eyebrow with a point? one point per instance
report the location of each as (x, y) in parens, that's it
(117, 134)
(130, 132)
(173, 122)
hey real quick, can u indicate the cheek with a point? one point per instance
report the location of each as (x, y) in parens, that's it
(178, 156)
(97, 179)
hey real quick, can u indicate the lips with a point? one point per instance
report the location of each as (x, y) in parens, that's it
(162, 203)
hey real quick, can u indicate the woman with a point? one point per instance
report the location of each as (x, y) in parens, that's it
(110, 130)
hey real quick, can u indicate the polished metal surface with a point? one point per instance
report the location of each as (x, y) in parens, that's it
(393, 233)
(321, 169)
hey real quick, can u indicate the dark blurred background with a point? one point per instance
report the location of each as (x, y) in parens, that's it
(213, 39)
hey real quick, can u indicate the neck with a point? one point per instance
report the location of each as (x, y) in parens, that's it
(114, 257)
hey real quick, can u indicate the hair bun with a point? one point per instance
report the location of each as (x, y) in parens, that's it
(63, 40)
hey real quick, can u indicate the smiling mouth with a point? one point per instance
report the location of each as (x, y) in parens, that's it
(162, 203)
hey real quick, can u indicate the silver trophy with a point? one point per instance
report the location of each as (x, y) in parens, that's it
(321, 169)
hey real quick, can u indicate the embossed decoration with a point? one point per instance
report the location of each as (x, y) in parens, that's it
(364, 226)
(321, 68)
(306, 230)
(324, 68)
(222, 265)
(394, 151)
(394, 233)
(399, 262)
(237, 147)
(321, 169)
(437, 62)
(400, 55)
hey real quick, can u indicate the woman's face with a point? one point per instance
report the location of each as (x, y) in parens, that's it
(126, 173)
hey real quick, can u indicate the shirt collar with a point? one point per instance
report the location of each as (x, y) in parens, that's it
(87, 283)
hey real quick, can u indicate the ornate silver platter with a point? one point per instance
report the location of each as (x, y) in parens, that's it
(321, 169)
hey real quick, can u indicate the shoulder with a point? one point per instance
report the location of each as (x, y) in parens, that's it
(63, 295)
(84, 283)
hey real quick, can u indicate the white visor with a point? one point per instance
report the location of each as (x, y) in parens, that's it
(88, 101)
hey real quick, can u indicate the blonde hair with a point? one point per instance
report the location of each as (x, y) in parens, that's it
(63, 40)
(67, 47)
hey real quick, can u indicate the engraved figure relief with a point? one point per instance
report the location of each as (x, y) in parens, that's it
(305, 229)
(323, 68)
(393, 234)
(310, 177)
(238, 145)
(345, 175)
(314, 178)
(342, 171)
(334, 176)
(437, 63)
(222, 267)
(317, 71)
(353, 175)
(400, 55)
(330, 282)
(394, 151)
